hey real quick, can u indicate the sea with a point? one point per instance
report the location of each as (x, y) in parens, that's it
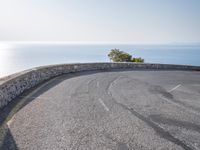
(16, 57)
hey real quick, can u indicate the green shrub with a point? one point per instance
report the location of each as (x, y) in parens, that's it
(137, 59)
(116, 55)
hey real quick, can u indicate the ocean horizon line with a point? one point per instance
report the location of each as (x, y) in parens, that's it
(100, 43)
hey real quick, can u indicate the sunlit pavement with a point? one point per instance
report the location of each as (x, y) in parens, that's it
(109, 110)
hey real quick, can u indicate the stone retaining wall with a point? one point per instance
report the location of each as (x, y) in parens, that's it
(16, 84)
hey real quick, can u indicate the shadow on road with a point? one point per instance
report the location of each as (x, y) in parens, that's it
(8, 143)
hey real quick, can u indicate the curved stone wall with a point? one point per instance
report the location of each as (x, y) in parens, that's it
(14, 85)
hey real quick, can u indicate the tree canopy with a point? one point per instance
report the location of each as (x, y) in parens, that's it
(116, 55)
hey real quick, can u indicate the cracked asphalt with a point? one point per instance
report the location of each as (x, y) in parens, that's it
(115, 110)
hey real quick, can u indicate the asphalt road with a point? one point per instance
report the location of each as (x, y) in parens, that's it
(118, 110)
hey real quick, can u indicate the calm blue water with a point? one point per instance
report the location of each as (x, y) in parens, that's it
(18, 57)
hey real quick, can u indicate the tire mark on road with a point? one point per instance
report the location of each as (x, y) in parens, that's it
(170, 98)
(174, 122)
(190, 110)
(156, 89)
(159, 130)
(82, 88)
(111, 84)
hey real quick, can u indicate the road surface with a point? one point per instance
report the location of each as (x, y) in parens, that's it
(116, 110)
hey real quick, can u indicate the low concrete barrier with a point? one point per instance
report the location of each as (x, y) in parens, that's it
(14, 85)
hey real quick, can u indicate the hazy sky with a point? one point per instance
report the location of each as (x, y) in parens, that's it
(134, 21)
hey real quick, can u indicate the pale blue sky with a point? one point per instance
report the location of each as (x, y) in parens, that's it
(129, 21)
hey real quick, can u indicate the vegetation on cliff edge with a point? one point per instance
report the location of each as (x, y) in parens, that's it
(116, 55)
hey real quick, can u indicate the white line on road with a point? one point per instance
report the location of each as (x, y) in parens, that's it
(106, 108)
(174, 88)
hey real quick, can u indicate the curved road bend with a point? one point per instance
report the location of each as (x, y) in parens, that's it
(118, 110)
